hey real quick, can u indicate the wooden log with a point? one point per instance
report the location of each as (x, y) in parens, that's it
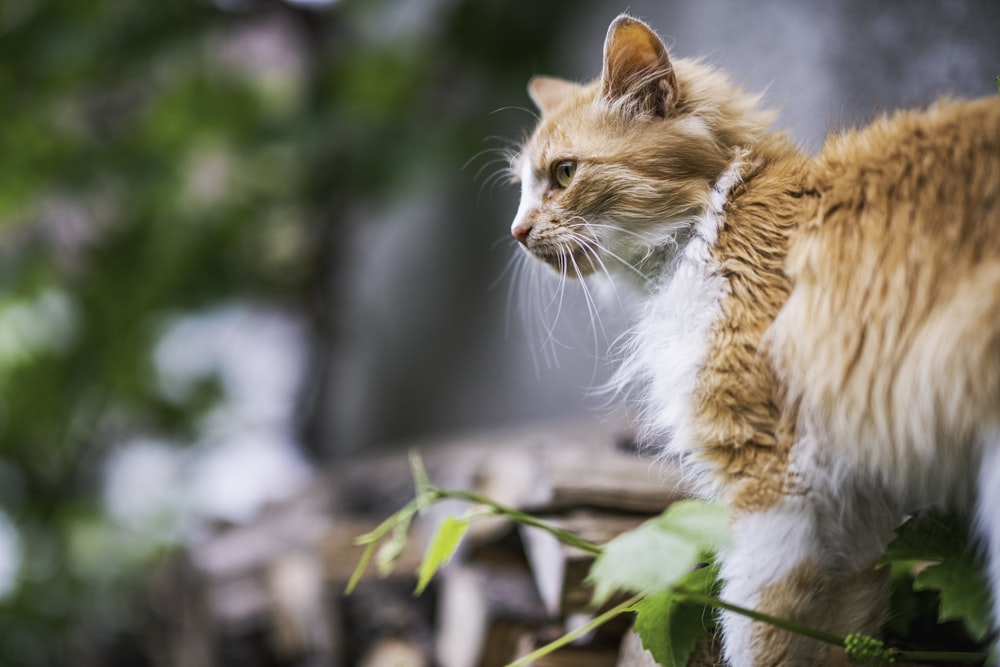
(394, 652)
(560, 570)
(278, 579)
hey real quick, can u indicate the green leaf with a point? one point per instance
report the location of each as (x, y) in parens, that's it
(421, 481)
(925, 536)
(391, 550)
(669, 625)
(698, 520)
(658, 553)
(904, 602)
(442, 547)
(964, 591)
(957, 571)
(386, 556)
(359, 570)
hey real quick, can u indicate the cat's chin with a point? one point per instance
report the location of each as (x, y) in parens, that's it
(573, 264)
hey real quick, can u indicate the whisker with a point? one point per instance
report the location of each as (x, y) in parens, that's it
(506, 238)
(615, 228)
(506, 152)
(497, 177)
(476, 156)
(558, 298)
(486, 165)
(510, 267)
(516, 108)
(604, 249)
(532, 316)
(596, 324)
(593, 311)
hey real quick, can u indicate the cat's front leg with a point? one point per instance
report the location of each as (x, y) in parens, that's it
(807, 560)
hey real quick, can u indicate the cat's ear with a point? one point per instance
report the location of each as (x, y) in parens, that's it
(637, 70)
(548, 92)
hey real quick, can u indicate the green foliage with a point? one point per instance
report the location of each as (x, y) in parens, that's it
(442, 546)
(676, 599)
(950, 564)
(111, 112)
(657, 554)
(385, 551)
(149, 171)
(670, 624)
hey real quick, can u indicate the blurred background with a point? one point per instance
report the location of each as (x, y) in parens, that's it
(243, 242)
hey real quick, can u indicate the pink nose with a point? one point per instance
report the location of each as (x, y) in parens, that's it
(521, 232)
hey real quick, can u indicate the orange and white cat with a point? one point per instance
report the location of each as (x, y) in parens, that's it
(818, 337)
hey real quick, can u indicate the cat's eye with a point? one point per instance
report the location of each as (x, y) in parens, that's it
(563, 172)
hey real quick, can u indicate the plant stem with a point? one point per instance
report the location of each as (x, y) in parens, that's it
(791, 626)
(428, 494)
(939, 656)
(564, 536)
(622, 608)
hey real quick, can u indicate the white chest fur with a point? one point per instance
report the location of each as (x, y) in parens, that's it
(670, 340)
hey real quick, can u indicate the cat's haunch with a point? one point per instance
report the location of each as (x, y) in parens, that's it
(820, 335)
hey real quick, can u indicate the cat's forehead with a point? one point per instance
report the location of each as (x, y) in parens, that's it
(551, 136)
(573, 133)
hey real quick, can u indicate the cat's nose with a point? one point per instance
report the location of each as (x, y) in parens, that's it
(520, 231)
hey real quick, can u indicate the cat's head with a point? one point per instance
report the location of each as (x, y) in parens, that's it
(617, 169)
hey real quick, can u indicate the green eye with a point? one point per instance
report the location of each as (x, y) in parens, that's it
(563, 172)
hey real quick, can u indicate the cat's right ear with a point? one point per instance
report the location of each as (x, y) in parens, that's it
(548, 92)
(637, 72)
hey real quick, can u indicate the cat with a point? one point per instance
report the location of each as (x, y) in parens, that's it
(817, 337)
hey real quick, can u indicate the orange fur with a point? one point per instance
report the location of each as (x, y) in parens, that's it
(820, 336)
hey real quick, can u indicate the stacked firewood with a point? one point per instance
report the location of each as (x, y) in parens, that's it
(271, 593)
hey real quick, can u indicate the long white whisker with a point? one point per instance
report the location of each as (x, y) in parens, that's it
(558, 298)
(615, 256)
(595, 318)
(485, 151)
(531, 312)
(516, 108)
(498, 176)
(516, 268)
(510, 268)
(615, 228)
(596, 322)
(498, 160)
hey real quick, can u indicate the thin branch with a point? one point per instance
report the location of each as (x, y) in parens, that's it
(569, 637)
(564, 536)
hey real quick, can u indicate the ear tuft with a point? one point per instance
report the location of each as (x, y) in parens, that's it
(637, 71)
(548, 92)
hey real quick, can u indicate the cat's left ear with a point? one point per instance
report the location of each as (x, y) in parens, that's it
(637, 69)
(548, 92)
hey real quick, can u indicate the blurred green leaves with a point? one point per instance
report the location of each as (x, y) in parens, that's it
(144, 173)
(163, 159)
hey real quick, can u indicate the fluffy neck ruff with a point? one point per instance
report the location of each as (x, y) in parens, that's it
(670, 338)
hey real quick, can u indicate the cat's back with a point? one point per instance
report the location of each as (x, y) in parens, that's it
(891, 334)
(931, 174)
(904, 209)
